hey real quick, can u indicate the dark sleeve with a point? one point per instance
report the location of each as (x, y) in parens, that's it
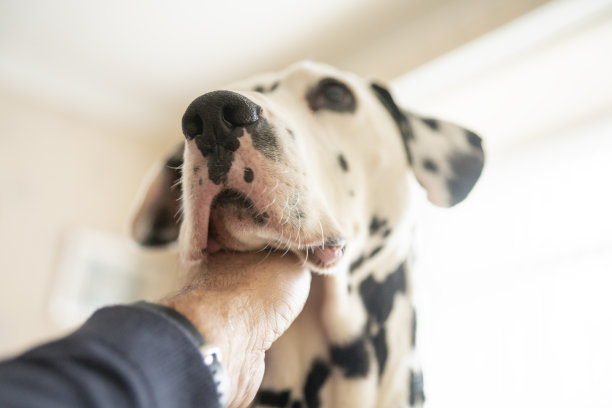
(123, 356)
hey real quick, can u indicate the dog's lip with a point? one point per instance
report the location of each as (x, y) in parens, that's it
(325, 256)
(323, 253)
(320, 255)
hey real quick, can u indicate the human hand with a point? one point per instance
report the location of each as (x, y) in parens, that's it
(242, 303)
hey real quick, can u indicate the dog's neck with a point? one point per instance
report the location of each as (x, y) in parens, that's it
(368, 321)
(357, 319)
(369, 277)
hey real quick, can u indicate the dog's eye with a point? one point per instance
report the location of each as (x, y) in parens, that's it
(336, 93)
(332, 95)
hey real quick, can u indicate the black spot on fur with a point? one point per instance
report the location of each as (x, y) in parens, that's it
(398, 116)
(378, 297)
(319, 372)
(417, 395)
(430, 166)
(465, 169)
(386, 99)
(291, 133)
(376, 224)
(473, 139)
(414, 328)
(262, 89)
(386, 233)
(357, 263)
(248, 175)
(379, 341)
(343, 163)
(200, 181)
(352, 358)
(375, 251)
(273, 398)
(265, 140)
(433, 124)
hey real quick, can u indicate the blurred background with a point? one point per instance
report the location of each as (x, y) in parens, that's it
(513, 285)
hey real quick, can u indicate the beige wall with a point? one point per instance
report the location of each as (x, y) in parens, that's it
(59, 173)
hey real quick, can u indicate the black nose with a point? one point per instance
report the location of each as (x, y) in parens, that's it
(216, 114)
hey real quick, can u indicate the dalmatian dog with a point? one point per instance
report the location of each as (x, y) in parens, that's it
(321, 163)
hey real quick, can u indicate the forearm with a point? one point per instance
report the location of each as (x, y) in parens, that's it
(122, 356)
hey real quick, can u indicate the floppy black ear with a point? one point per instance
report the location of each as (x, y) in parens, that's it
(155, 222)
(447, 159)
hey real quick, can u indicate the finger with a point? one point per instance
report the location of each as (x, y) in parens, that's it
(261, 272)
(275, 286)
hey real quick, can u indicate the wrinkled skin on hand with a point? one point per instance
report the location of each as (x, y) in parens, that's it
(243, 302)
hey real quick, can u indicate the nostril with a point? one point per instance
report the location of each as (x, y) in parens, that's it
(192, 125)
(240, 114)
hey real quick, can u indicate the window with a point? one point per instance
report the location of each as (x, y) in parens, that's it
(518, 311)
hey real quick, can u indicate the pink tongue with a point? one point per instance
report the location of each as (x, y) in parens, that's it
(212, 246)
(329, 254)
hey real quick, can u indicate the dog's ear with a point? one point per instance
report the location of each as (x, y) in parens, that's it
(155, 222)
(447, 159)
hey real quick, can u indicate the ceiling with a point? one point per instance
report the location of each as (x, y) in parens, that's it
(138, 63)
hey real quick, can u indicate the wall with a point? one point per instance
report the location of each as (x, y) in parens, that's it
(60, 172)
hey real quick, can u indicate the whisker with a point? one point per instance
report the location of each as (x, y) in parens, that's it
(322, 234)
(286, 206)
(175, 184)
(306, 260)
(179, 167)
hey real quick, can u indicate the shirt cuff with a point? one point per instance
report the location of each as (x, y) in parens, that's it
(164, 353)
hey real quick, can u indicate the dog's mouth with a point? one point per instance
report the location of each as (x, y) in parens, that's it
(233, 222)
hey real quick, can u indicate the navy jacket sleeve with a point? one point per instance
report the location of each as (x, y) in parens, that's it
(123, 356)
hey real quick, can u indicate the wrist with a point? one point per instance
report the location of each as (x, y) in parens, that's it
(225, 328)
(220, 320)
(210, 353)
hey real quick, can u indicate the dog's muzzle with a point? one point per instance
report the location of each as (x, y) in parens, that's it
(216, 123)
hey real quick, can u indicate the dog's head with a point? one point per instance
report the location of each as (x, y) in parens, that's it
(300, 161)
